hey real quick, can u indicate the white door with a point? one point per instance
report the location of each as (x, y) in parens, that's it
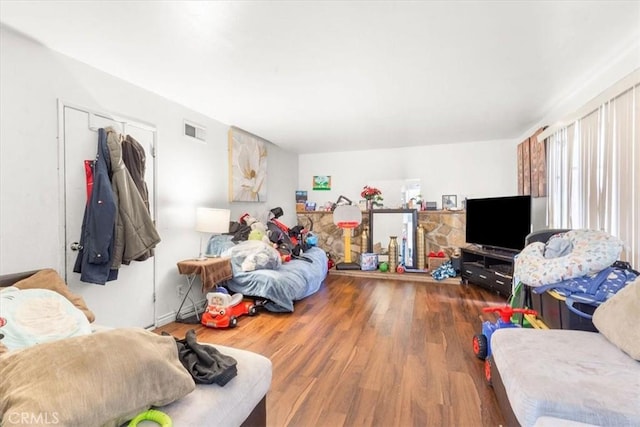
(129, 300)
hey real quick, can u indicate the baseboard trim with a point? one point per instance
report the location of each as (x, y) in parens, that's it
(407, 277)
(184, 313)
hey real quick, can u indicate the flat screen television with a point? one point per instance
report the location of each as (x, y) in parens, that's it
(499, 222)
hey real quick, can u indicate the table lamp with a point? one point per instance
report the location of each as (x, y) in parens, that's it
(213, 221)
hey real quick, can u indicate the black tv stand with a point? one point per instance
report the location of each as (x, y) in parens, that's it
(490, 268)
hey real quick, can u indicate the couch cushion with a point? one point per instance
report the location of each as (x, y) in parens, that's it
(618, 319)
(50, 279)
(230, 405)
(567, 374)
(102, 379)
(559, 422)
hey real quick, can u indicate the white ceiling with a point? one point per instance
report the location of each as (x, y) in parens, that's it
(323, 76)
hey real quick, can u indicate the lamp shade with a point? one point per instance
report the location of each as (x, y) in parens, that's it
(209, 220)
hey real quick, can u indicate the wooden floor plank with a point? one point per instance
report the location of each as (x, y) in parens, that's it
(364, 351)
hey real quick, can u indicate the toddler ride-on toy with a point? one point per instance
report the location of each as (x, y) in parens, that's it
(482, 342)
(223, 310)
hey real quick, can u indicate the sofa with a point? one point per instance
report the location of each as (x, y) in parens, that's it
(560, 377)
(107, 376)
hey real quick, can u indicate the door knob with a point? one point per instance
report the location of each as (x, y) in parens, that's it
(75, 246)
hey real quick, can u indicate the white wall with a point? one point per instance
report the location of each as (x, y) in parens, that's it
(613, 67)
(189, 173)
(473, 169)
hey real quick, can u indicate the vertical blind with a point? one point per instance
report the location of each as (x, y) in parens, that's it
(594, 172)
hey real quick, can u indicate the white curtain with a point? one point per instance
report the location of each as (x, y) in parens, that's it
(594, 172)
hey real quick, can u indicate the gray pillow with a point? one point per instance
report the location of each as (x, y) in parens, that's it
(618, 319)
(102, 379)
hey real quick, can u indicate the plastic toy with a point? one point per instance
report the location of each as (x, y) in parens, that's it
(330, 262)
(384, 267)
(289, 241)
(312, 239)
(482, 342)
(347, 217)
(296, 234)
(152, 415)
(223, 310)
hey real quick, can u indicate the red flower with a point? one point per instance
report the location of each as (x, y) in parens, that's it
(370, 193)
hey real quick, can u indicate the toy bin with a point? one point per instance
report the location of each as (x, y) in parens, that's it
(368, 262)
(435, 262)
(555, 313)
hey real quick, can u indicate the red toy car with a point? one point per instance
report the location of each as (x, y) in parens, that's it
(218, 316)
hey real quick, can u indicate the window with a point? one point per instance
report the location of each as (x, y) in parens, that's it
(594, 172)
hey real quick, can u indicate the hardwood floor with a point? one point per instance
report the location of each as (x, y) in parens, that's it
(370, 352)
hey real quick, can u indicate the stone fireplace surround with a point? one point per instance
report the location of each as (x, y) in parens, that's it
(444, 231)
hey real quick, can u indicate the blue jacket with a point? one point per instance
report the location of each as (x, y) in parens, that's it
(98, 224)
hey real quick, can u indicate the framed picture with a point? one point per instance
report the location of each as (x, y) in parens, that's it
(247, 167)
(449, 201)
(322, 182)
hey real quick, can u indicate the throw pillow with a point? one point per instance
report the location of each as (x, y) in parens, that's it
(618, 319)
(36, 316)
(50, 279)
(102, 379)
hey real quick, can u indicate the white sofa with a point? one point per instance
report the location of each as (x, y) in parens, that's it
(569, 377)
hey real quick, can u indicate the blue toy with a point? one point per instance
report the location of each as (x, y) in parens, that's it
(482, 342)
(445, 271)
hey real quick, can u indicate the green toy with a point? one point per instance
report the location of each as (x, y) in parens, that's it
(158, 417)
(384, 267)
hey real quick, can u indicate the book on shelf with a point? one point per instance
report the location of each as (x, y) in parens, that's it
(301, 196)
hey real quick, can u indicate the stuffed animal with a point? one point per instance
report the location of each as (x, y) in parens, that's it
(258, 231)
(256, 235)
(247, 219)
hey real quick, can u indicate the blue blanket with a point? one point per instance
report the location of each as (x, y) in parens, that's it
(292, 281)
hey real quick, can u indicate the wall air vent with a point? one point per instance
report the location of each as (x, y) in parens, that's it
(194, 130)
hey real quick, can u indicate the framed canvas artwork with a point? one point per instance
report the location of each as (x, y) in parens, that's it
(247, 167)
(322, 182)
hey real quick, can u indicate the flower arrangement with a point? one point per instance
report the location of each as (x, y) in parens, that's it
(372, 195)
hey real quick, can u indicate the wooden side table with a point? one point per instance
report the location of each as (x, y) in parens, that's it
(211, 272)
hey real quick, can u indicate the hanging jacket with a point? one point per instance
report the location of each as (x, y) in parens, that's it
(134, 158)
(98, 224)
(135, 233)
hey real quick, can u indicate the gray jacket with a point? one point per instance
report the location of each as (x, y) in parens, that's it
(135, 232)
